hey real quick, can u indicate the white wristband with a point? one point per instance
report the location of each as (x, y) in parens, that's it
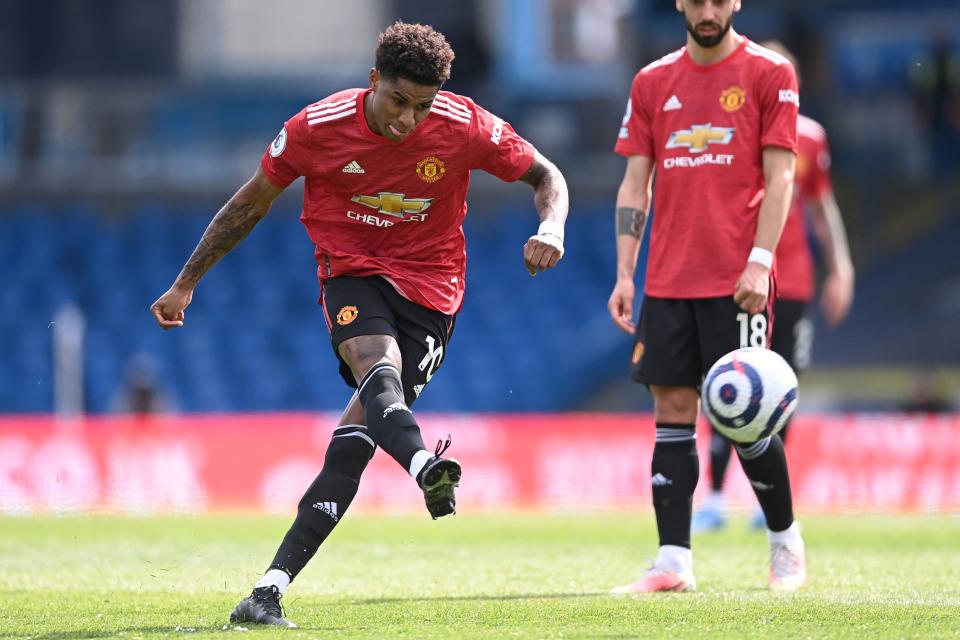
(761, 256)
(551, 228)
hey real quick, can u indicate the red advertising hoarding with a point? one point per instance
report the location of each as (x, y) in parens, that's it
(876, 462)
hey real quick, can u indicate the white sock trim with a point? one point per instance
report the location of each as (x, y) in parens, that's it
(357, 434)
(274, 578)
(676, 559)
(790, 535)
(420, 459)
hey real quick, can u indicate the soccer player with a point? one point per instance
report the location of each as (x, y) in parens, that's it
(793, 328)
(387, 170)
(716, 122)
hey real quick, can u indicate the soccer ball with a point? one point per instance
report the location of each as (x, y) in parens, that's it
(749, 394)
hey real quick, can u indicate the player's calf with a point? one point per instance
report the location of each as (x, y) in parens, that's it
(322, 505)
(387, 416)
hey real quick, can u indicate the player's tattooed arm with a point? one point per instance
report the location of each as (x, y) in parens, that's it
(232, 224)
(631, 221)
(633, 203)
(545, 249)
(549, 189)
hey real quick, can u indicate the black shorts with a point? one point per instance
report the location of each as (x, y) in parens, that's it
(678, 340)
(371, 306)
(792, 332)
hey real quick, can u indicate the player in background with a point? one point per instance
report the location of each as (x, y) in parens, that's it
(716, 122)
(793, 328)
(387, 170)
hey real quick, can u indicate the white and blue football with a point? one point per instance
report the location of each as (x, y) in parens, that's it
(749, 394)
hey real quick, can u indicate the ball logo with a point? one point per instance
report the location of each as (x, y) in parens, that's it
(431, 169)
(279, 143)
(346, 315)
(739, 394)
(733, 98)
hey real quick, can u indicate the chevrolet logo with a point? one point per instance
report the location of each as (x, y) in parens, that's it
(699, 136)
(393, 204)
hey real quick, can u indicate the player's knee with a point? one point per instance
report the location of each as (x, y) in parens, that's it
(349, 452)
(364, 354)
(381, 386)
(675, 404)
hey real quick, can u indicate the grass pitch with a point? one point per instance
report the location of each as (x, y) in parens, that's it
(472, 576)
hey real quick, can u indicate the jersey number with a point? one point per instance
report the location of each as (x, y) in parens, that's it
(753, 330)
(433, 358)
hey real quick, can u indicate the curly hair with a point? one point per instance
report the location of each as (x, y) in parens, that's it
(415, 52)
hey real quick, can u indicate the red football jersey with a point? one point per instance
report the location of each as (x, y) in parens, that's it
(705, 127)
(795, 273)
(374, 206)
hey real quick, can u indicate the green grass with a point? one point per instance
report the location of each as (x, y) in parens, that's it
(494, 576)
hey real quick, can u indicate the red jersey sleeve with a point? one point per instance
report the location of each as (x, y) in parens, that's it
(497, 148)
(780, 105)
(820, 182)
(636, 135)
(288, 156)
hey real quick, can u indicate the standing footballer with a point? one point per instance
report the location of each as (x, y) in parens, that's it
(717, 122)
(792, 334)
(387, 170)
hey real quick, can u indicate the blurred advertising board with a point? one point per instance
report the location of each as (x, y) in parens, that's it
(263, 463)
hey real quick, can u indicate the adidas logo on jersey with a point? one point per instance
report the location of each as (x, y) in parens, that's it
(353, 167)
(329, 508)
(672, 104)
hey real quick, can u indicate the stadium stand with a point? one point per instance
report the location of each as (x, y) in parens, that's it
(255, 341)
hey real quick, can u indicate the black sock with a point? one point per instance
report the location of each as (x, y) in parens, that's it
(675, 469)
(326, 500)
(719, 459)
(765, 464)
(388, 418)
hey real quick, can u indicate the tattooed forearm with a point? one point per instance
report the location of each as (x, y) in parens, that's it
(549, 189)
(231, 225)
(631, 222)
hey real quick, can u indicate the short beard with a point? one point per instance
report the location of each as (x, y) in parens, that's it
(707, 42)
